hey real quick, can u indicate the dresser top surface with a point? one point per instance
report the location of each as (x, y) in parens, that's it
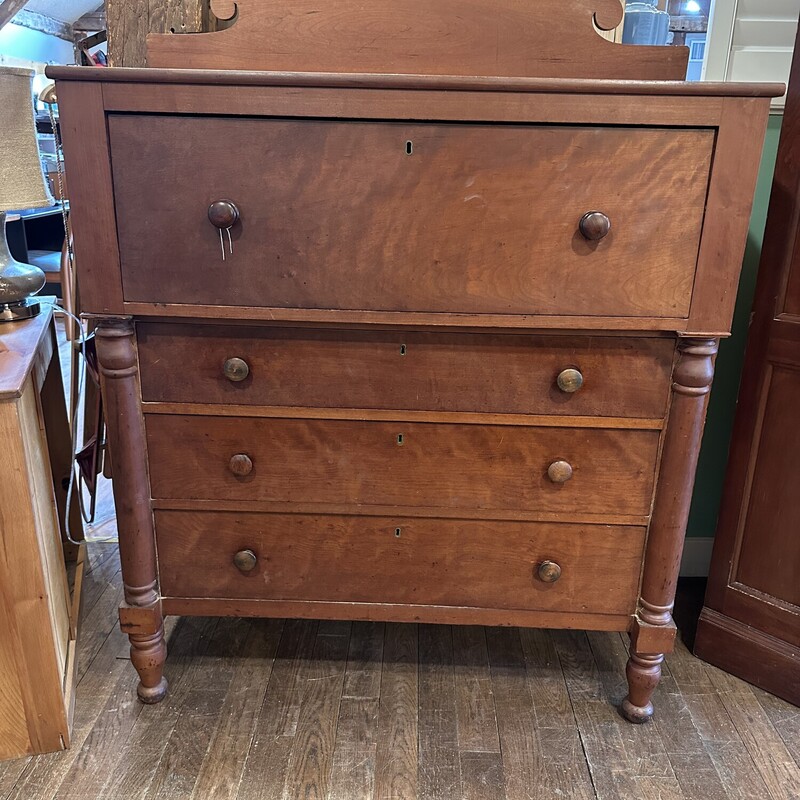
(407, 81)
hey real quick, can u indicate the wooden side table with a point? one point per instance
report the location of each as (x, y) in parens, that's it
(38, 616)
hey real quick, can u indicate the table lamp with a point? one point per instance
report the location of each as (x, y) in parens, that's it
(22, 185)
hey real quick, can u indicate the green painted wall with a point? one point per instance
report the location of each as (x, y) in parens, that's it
(721, 410)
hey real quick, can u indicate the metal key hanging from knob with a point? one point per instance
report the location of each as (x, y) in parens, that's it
(594, 226)
(223, 215)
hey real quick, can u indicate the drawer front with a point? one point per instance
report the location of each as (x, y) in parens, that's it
(409, 217)
(399, 560)
(405, 370)
(423, 465)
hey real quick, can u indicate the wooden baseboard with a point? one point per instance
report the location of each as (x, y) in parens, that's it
(766, 662)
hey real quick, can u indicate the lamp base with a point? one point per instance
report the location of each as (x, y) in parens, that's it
(24, 309)
(18, 283)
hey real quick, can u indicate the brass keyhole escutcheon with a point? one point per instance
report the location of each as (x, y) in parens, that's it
(245, 560)
(548, 571)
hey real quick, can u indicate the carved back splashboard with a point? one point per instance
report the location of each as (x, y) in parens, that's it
(508, 38)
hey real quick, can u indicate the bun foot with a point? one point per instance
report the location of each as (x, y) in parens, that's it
(636, 714)
(643, 672)
(152, 694)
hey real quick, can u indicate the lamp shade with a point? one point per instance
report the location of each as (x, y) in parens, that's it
(22, 182)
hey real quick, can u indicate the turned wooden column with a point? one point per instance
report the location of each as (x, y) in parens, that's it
(653, 632)
(140, 616)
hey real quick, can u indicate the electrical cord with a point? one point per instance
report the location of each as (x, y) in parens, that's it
(82, 374)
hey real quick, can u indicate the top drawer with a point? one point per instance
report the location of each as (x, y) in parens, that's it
(393, 216)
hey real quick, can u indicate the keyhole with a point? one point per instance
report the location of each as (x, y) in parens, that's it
(402, 349)
(409, 147)
(400, 439)
(397, 532)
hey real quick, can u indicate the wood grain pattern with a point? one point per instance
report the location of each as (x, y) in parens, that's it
(477, 717)
(693, 734)
(392, 415)
(465, 100)
(402, 463)
(83, 131)
(128, 24)
(396, 560)
(476, 219)
(737, 157)
(116, 354)
(438, 771)
(393, 612)
(439, 216)
(574, 515)
(404, 370)
(397, 755)
(508, 37)
(312, 754)
(18, 345)
(489, 82)
(750, 623)
(408, 319)
(36, 632)
(692, 378)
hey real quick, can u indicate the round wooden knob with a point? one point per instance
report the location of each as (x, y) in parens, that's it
(235, 369)
(559, 471)
(549, 571)
(245, 560)
(569, 380)
(223, 214)
(594, 225)
(240, 465)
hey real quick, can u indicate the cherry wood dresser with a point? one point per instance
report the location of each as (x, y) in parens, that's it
(412, 328)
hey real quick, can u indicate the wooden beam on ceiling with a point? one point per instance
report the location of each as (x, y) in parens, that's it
(88, 23)
(44, 24)
(9, 9)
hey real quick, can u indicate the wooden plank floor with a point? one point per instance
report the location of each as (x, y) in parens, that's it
(278, 710)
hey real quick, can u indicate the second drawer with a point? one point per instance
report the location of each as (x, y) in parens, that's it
(428, 465)
(511, 374)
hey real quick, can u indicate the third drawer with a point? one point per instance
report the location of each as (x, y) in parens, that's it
(448, 562)
(427, 465)
(494, 373)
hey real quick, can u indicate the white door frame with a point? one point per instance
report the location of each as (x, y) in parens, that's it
(720, 38)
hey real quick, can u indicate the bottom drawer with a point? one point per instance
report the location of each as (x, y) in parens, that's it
(447, 562)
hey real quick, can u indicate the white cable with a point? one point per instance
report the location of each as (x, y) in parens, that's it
(74, 432)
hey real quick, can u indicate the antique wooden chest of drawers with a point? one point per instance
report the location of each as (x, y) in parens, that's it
(406, 347)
